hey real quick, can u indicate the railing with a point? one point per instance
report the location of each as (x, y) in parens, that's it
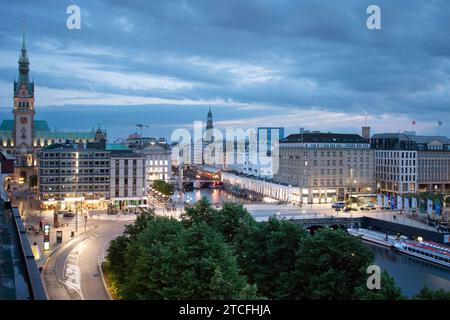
(32, 274)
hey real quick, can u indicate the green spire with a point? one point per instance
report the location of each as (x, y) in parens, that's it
(24, 68)
(24, 47)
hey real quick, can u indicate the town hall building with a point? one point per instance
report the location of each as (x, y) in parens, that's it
(23, 136)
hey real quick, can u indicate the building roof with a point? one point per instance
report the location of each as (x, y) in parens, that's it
(117, 146)
(428, 139)
(69, 146)
(42, 131)
(411, 137)
(56, 135)
(39, 125)
(398, 135)
(124, 154)
(319, 137)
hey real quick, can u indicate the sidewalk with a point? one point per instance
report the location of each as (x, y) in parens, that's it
(54, 245)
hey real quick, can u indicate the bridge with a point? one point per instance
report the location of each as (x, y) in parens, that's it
(413, 232)
(329, 222)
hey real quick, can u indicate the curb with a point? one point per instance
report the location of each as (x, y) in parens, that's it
(55, 249)
(104, 282)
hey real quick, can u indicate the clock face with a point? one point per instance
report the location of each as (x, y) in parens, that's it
(23, 120)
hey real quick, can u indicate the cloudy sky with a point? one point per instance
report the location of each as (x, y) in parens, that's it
(292, 63)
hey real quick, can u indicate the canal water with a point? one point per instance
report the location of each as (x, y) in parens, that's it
(410, 274)
(215, 196)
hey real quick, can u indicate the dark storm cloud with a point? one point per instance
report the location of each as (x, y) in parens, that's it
(291, 55)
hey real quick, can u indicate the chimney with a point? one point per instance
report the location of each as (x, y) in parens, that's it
(366, 133)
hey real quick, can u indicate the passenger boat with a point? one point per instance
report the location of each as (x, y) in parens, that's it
(426, 250)
(197, 185)
(376, 237)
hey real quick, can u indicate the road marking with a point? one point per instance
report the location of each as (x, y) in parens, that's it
(72, 274)
(102, 255)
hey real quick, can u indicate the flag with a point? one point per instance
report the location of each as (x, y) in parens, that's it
(438, 208)
(414, 203)
(429, 206)
(379, 201)
(399, 202)
(407, 204)
(439, 123)
(386, 201)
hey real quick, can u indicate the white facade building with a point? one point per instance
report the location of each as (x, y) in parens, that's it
(128, 179)
(158, 163)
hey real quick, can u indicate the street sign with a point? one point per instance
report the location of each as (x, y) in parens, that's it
(46, 236)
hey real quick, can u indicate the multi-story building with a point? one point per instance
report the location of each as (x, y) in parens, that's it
(325, 166)
(23, 136)
(408, 163)
(158, 157)
(70, 173)
(128, 179)
(261, 165)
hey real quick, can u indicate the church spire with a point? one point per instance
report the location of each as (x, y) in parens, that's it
(24, 69)
(24, 47)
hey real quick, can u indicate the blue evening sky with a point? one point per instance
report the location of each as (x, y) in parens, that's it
(291, 63)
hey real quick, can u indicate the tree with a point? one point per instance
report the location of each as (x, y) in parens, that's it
(267, 256)
(388, 290)
(232, 221)
(428, 294)
(33, 180)
(201, 212)
(117, 265)
(163, 187)
(141, 222)
(169, 261)
(330, 265)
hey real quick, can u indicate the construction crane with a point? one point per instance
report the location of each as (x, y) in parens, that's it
(142, 126)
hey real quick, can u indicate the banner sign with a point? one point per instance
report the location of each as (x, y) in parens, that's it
(399, 202)
(414, 203)
(407, 204)
(429, 206)
(437, 207)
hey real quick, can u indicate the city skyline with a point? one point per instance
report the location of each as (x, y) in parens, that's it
(252, 74)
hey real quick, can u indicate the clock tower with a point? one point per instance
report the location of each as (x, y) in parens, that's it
(24, 111)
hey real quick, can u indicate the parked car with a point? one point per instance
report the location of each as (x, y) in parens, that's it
(68, 214)
(338, 205)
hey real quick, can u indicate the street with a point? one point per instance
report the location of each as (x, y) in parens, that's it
(73, 272)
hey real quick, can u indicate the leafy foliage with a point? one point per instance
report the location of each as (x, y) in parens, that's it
(388, 290)
(163, 187)
(173, 262)
(225, 254)
(330, 265)
(427, 294)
